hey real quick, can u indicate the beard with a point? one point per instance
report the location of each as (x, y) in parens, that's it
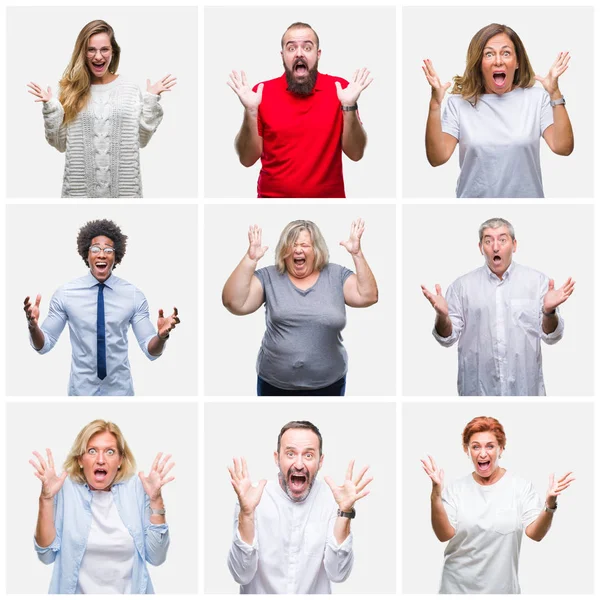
(306, 86)
(284, 483)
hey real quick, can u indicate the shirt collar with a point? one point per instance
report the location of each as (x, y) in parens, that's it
(493, 275)
(91, 281)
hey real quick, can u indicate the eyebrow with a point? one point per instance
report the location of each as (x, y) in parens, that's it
(305, 449)
(490, 48)
(299, 42)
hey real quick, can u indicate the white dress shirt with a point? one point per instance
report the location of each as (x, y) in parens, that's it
(294, 550)
(498, 326)
(76, 303)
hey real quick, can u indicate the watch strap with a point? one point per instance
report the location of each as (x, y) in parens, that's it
(347, 515)
(349, 108)
(558, 102)
(158, 511)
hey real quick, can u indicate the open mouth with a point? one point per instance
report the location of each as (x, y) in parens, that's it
(99, 66)
(297, 482)
(100, 475)
(484, 465)
(101, 266)
(497, 259)
(499, 78)
(300, 261)
(300, 67)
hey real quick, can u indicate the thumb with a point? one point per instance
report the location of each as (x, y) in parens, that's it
(49, 90)
(261, 485)
(551, 285)
(38, 299)
(63, 477)
(438, 289)
(338, 87)
(447, 85)
(329, 482)
(259, 91)
(538, 78)
(161, 314)
(141, 475)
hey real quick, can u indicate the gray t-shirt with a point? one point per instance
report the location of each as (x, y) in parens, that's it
(302, 346)
(499, 142)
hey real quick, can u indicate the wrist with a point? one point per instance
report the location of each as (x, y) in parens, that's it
(44, 500)
(163, 338)
(251, 113)
(157, 503)
(555, 94)
(549, 312)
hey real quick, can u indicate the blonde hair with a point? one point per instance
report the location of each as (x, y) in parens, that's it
(288, 238)
(471, 84)
(76, 80)
(79, 448)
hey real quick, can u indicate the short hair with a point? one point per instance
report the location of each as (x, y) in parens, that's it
(288, 238)
(106, 228)
(471, 84)
(79, 448)
(300, 25)
(481, 425)
(494, 224)
(300, 425)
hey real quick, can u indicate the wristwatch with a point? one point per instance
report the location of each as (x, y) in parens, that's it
(348, 515)
(550, 314)
(550, 510)
(558, 102)
(158, 511)
(349, 108)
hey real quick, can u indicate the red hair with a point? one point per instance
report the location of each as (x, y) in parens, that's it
(482, 424)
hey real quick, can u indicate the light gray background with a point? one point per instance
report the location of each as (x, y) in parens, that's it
(154, 41)
(440, 245)
(541, 439)
(249, 39)
(365, 432)
(175, 432)
(161, 260)
(545, 31)
(231, 343)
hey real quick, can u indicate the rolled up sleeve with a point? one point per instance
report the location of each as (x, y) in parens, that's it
(53, 324)
(243, 558)
(142, 326)
(455, 314)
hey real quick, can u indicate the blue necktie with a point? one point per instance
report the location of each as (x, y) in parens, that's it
(101, 334)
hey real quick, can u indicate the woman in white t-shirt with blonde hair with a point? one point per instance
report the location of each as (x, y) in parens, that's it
(482, 516)
(497, 117)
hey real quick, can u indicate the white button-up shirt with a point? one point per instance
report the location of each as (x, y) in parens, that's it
(498, 326)
(294, 550)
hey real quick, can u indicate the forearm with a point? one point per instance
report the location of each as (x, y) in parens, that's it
(564, 141)
(439, 519)
(354, 138)
(248, 144)
(237, 288)
(341, 529)
(37, 337)
(549, 322)
(246, 527)
(435, 145)
(45, 532)
(540, 527)
(443, 325)
(156, 345)
(365, 280)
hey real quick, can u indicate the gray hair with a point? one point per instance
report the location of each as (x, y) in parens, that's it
(494, 224)
(288, 238)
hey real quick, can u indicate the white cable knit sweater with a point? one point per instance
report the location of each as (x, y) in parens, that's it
(103, 143)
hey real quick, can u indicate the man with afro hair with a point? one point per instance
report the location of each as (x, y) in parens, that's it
(99, 307)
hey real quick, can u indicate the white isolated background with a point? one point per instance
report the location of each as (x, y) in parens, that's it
(365, 432)
(541, 439)
(231, 342)
(249, 39)
(154, 41)
(37, 426)
(545, 31)
(440, 243)
(161, 260)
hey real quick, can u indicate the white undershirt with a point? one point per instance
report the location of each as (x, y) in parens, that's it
(108, 559)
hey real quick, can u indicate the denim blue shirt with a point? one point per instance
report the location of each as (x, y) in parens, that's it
(73, 519)
(76, 303)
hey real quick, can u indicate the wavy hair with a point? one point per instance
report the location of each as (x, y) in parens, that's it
(482, 425)
(471, 84)
(288, 238)
(76, 80)
(79, 448)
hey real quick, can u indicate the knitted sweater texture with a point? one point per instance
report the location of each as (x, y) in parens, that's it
(103, 143)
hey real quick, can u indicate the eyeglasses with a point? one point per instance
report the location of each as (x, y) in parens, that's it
(91, 52)
(97, 249)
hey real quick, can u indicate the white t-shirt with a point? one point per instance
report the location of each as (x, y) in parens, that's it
(108, 558)
(499, 142)
(483, 555)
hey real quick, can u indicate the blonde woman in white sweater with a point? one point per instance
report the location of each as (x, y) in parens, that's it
(100, 120)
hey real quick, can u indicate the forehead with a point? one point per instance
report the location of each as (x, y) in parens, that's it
(304, 237)
(99, 40)
(300, 439)
(102, 439)
(102, 239)
(499, 41)
(299, 35)
(485, 437)
(495, 232)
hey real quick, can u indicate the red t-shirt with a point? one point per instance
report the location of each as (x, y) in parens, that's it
(302, 141)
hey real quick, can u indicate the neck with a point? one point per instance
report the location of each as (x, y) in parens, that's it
(493, 478)
(106, 78)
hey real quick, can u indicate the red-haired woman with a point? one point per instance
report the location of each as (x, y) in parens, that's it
(482, 516)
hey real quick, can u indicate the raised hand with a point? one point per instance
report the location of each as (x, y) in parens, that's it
(559, 66)
(352, 490)
(556, 487)
(255, 248)
(555, 297)
(162, 85)
(166, 324)
(438, 89)
(248, 495)
(437, 300)
(45, 472)
(435, 474)
(249, 99)
(32, 311)
(359, 81)
(157, 477)
(356, 230)
(41, 94)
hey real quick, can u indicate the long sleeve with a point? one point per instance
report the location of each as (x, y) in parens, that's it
(56, 132)
(556, 335)
(456, 316)
(142, 326)
(54, 323)
(156, 537)
(48, 554)
(243, 558)
(339, 558)
(150, 118)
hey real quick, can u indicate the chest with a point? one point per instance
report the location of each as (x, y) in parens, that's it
(83, 309)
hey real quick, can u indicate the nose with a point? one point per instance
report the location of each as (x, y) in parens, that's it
(100, 458)
(498, 59)
(496, 247)
(298, 463)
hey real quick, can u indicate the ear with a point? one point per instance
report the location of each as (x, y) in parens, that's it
(281, 54)
(480, 248)
(514, 246)
(276, 458)
(321, 460)
(319, 53)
